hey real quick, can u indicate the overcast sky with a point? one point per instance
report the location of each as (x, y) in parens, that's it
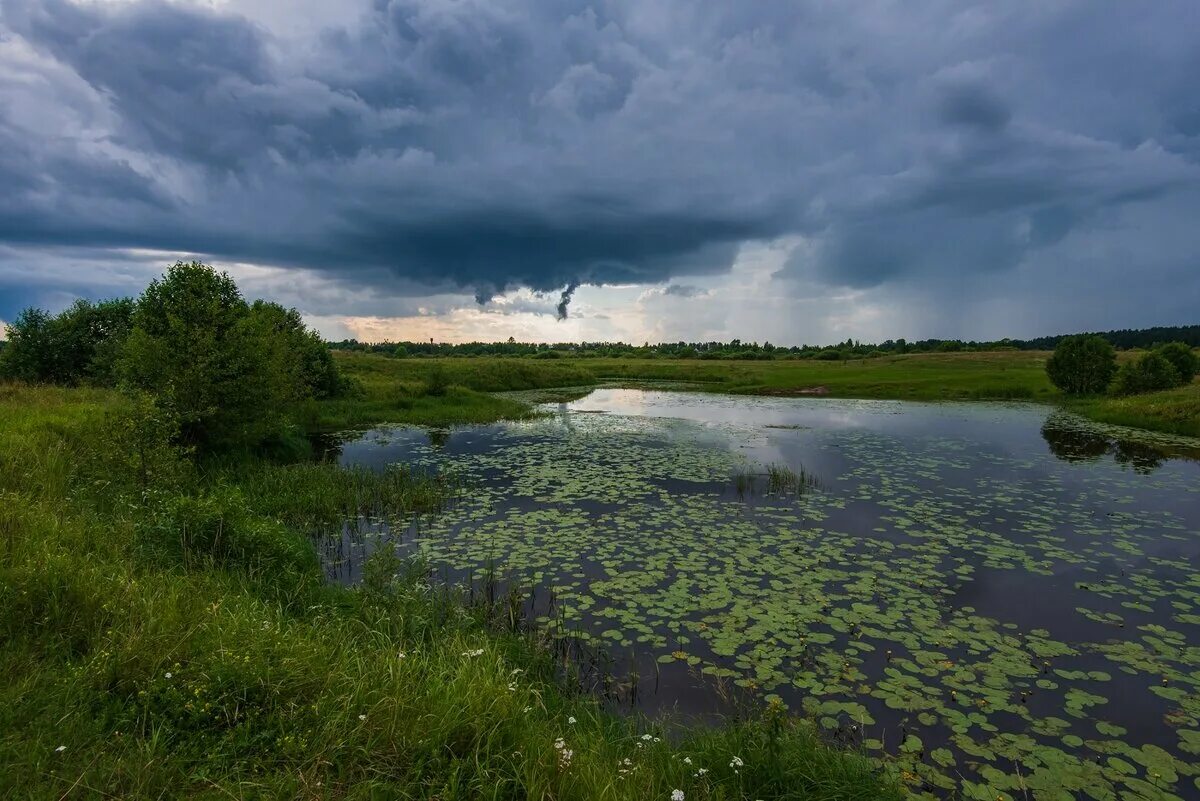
(795, 172)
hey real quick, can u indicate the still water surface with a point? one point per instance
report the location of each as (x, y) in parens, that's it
(1005, 598)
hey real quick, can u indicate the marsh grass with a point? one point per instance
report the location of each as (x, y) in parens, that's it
(774, 479)
(783, 480)
(308, 496)
(173, 639)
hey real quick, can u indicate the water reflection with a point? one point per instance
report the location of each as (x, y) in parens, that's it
(1072, 439)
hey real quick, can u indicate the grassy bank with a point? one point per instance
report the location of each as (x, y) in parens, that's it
(434, 392)
(167, 633)
(394, 386)
(1174, 411)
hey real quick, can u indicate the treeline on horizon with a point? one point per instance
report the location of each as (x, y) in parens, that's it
(1123, 339)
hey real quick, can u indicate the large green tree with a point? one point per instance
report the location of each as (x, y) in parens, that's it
(197, 348)
(1082, 365)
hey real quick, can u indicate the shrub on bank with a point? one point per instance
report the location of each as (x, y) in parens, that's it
(1182, 358)
(1082, 365)
(1150, 372)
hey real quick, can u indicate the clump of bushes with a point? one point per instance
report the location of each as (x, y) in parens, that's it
(1182, 358)
(1087, 365)
(1150, 372)
(227, 372)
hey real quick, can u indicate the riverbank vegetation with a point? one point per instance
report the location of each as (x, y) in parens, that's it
(168, 632)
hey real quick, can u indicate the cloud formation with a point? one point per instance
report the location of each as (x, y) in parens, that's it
(471, 147)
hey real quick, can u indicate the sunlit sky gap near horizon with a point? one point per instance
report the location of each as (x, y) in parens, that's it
(793, 173)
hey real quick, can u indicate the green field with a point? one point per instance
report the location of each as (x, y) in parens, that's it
(167, 633)
(394, 386)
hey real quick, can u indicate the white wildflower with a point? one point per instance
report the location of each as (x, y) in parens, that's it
(476, 652)
(571, 720)
(677, 795)
(736, 762)
(401, 655)
(362, 717)
(687, 760)
(168, 674)
(60, 749)
(647, 737)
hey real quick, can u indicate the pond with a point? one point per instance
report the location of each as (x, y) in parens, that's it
(1003, 598)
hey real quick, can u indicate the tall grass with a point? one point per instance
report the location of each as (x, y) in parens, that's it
(172, 638)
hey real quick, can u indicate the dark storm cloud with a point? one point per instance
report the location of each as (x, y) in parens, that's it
(479, 146)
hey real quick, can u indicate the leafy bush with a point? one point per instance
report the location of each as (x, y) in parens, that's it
(1183, 358)
(1082, 365)
(1149, 373)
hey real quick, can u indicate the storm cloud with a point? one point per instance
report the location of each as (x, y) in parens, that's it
(463, 146)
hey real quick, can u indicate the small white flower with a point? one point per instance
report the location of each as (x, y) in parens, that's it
(476, 652)
(736, 762)
(560, 744)
(571, 720)
(647, 737)
(528, 709)
(677, 795)
(362, 717)
(60, 749)
(168, 674)
(687, 760)
(701, 772)
(401, 655)
(657, 740)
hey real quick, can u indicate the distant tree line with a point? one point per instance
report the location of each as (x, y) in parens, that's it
(225, 372)
(737, 349)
